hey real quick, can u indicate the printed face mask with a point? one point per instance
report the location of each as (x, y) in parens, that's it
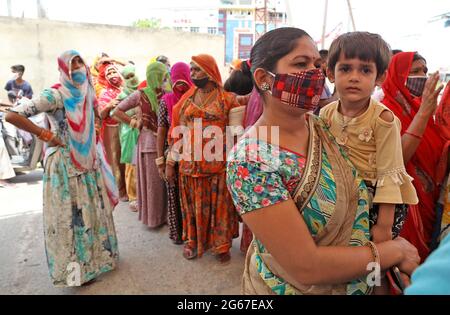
(301, 90)
(416, 85)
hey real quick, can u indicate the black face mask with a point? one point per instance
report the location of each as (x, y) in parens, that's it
(201, 83)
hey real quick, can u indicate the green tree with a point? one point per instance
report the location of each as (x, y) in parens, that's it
(147, 23)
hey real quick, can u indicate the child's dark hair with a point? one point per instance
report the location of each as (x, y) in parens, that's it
(362, 45)
(273, 46)
(240, 81)
(323, 54)
(18, 68)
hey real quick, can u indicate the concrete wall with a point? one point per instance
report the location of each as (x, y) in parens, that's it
(37, 43)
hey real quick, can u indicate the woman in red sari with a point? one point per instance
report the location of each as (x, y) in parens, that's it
(210, 220)
(112, 84)
(413, 99)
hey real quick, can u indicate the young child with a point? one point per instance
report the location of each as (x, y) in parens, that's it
(367, 130)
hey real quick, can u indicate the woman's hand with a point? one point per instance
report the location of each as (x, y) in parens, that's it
(411, 258)
(162, 171)
(430, 95)
(55, 142)
(170, 174)
(136, 123)
(406, 279)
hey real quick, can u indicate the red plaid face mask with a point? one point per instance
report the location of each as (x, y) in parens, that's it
(301, 90)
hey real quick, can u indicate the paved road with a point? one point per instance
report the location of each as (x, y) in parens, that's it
(149, 262)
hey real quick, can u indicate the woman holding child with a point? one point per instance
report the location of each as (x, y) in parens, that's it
(299, 194)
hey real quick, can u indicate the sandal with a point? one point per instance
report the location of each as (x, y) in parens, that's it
(189, 253)
(134, 206)
(178, 242)
(224, 257)
(124, 199)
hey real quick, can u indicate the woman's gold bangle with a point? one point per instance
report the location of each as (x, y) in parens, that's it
(374, 250)
(160, 161)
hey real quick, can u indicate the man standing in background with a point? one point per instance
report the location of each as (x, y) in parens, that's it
(17, 87)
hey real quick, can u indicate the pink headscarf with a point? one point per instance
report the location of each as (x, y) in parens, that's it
(254, 109)
(179, 72)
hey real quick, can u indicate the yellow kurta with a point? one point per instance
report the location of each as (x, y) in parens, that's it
(375, 148)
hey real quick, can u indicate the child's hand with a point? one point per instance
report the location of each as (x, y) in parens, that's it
(381, 234)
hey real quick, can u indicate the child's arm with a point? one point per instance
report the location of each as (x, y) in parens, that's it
(382, 230)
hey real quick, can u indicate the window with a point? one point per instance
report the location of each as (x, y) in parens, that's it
(212, 30)
(195, 29)
(246, 41)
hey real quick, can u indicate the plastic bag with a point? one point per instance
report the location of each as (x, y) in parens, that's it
(128, 141)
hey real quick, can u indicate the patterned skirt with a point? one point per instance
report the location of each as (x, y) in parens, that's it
(80, 237)
(210, 220)
(174, 211)
(399, 215)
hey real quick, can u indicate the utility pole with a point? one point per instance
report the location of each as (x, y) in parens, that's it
(264, 16)
(260, 20)
(350, 10)
(40, 10)
(8, 3)
(324, 29)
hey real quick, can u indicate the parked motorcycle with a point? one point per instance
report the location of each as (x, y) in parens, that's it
(24, 149)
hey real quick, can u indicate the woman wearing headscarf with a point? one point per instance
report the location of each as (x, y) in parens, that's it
(442, 228)
(240, 83)
(413, 99)
(209, 218)
(129, 136)
(80, 238)
(110, 132)
(151, 192)
(180, 76)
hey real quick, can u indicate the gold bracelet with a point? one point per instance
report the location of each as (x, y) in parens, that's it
(160, 161)
(375, 253)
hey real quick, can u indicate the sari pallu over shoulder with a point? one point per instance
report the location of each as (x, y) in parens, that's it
(348, 226)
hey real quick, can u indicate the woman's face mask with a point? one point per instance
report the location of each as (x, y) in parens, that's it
(79, 76)
(132, 80)
(300, 90)
(167, 84)
(201, 83)
(416, 85)
(181, 87)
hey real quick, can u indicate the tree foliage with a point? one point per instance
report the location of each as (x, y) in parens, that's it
(147, 23)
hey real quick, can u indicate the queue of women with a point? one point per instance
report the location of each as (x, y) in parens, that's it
(322, 197)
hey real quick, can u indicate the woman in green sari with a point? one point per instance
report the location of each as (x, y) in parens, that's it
(129, 136)
(297, 191)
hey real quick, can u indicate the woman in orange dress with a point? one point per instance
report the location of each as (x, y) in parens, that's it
(210, 220)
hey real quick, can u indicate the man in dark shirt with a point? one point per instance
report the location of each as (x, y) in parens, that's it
(18, 87)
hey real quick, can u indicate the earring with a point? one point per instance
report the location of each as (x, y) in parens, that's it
(265, 87)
